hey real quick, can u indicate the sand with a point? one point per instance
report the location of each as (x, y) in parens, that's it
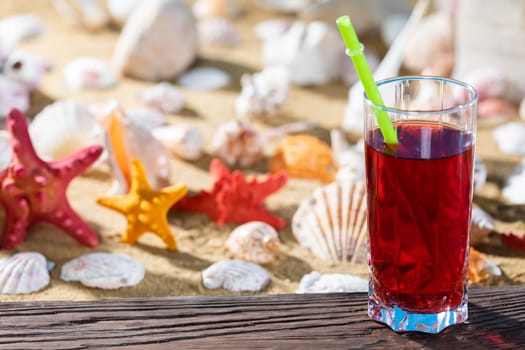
(200, 242)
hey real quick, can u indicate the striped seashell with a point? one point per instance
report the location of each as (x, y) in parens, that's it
(24, 273)
(235, 276)
(331, 222)
(481, 225)
(255, 241)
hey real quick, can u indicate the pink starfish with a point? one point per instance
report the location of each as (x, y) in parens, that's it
(32, 190)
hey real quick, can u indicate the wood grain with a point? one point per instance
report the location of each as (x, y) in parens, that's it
(322, 321)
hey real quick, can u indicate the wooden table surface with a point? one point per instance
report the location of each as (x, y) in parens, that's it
(298, 321)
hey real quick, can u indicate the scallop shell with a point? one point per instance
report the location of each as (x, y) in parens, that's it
(237, 141)
(146, 118)
(88, 73)
(331, 222)
(204, 78)
(236, 276)
(255, 241)
(89, 14)
(12, 95)
(514, 188)
(63, 128)
(271, 28)
(16, 28)
(103, 270)
(481, 225)
(5, 149)
(185, 141)
(217, 31)
(510, 138)
(480, 269)
(154, 26)
(164, 97)
(216, 8)
(314, 282)
(304, 156)
(26, 69)
(480, 172)
(24, 273)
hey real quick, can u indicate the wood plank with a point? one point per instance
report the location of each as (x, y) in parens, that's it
(323, 321)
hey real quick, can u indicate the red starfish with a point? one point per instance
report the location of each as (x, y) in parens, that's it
(513, 240)
(233, 198)
(32, 190)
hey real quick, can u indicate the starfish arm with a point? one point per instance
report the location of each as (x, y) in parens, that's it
(264, 188)
(23, 150)
(122, 205)
(66, 219)
(218, 170)
(164, 232)
(75, 164)
(173, 194)
(15, 222)
(204, 202)
(132, 234)
(139, 179)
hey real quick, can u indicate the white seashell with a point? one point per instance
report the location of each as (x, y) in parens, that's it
(237, 141)
(314, 282)
(480, 172)
(311, 52)
(331, 222)
(285, 6)
(488, 81)
(264, 93)
(88, 73)
(103, 270)
(5, 149)
(121, 10)
(27, 69)
(350, 159)
(204, 78)
(12, 95)
(216, 8)
(146, 118)
(185, 141)
(481, 225)
(510, 137)
(255, 241)
(16, 28)
(158, 42)
(63, 128)
(217, 31)
(271, 28)
(89, 14)
(514, 188)
(235, 276)
(164, 97)
(24, 273)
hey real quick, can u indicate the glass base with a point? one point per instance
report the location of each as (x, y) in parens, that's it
(403, 321)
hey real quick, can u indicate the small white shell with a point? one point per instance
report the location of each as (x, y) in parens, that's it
(271, 28)
(164, 97)
(26, 69)
(12, 95)
(480, 172)
(332, 222)
(255, 241)
(235, 276)
(5, 149)
(237, 141)
(16, 28)
(314, 282)
(350, 159)
(146, 118)
(89, 14)
(88, 73)
(510, 137)
(204, 78)
(103, 270)
(217, 31)
(481, 225)
(24, 273)
(514, 188)
(185, 141)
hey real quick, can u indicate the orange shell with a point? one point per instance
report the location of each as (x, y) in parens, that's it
(304, 156)
(476, 271)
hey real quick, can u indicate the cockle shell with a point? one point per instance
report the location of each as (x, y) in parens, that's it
(88, 73)
(26, 69)
(158, 42)
(510, 137)
(204, 78)
(103, 270)
(481, 269)
(217, 31)
(63, 128)
(12, 95)
(263, 93)
(236, 276)
(164, 97)
(480, 172)
(331, 222)
(24, 273)
(146, 118)
(5, 149)
(16, 28)
(314, 282)
(89, 14)
(216, 8)
(304, 156)
(350, 158)
(497, 107)
(271, 28)
(514, 187)
(481, 225)
(255, 241)
(185, 141)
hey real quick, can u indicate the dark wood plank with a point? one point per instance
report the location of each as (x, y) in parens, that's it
(324, 321)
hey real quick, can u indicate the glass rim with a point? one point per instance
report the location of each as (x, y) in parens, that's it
(450, 110)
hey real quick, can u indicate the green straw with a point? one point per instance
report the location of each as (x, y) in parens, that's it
(356, 52)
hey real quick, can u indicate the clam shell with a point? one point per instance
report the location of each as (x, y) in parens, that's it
(103, 270)
(164, 97)
(185, 141)
(218, 31)
(24, 273)
(255, 241)
(12, 95)
(236, 276)
(204, 78)
(26, 69)
(5, 149)
(514, 187)
(16, 28)
(480, 172)
(481, 225)
(88, 73)
(510, 138)
(314, 282)
(331, 222)
(237, 141)
(480, 268)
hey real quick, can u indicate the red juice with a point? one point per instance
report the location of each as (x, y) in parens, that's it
(419, 203)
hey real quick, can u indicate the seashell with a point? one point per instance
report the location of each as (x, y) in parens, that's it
(121, 10)
(216, 8)
(331, 222)
(285, 6)
(481, 225)
(185, 141)
(235, 276)
(496, 107)
(17, 28)
(26, 69)
(255, 241)
(480, 269)
(350, 159)
(103, 270)
(514, 188)
(271, 28)
(88, 73)
(62, 128)
(304, 156)
(488, 81)
(145, 118)
(5, 149)
(124, 142)
(204, 78)
(480, 172)
(12, 95)
(89, 14)
(217, 31)
(153, 26)
(24, 273)
(314, 282)
(264, 93)
(164, 97)
(349, 74)
(510, 137)
(311, 52)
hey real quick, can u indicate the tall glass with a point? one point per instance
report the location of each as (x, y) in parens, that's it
(419, 203)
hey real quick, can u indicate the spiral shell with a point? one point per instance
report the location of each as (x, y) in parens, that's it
(255, 241)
